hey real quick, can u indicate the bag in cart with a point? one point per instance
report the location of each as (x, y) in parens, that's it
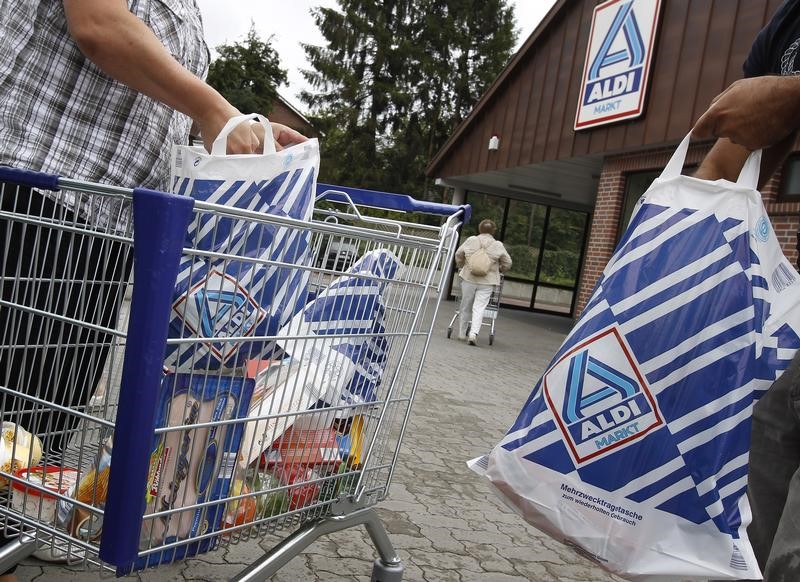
(633, 446)
(223, 296)
(352, 305)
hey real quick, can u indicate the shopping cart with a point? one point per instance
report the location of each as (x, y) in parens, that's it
(194, 467)
(489, 315)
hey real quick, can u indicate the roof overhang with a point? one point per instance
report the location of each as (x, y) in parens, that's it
(564, 183)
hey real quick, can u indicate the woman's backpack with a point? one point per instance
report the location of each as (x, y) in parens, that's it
(479, 262)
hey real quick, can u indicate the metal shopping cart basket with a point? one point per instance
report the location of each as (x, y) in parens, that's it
(133, 465)
(489, 315)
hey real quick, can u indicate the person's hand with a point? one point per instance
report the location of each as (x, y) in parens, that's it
(283, 136)
(754, 113)
(242, 140)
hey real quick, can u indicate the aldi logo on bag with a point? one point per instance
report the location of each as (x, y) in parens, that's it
(219, 307)
(599, 398)
(617, 64)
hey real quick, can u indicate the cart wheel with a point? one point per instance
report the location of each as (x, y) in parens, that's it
(386, 572)
(449, 332)
(491, 339)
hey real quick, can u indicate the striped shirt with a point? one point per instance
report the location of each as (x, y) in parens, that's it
(61, 114)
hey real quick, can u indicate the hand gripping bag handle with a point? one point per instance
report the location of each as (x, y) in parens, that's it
(748, 177)
(219, 147)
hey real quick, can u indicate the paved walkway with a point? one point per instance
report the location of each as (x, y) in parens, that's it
(444, 521)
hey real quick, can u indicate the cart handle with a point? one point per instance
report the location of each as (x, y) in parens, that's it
(389, 201)
(29, 178)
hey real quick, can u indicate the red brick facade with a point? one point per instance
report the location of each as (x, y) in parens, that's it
(610, 198)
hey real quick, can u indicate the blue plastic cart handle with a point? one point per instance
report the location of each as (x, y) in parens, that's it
(29, 178)
(390, 201)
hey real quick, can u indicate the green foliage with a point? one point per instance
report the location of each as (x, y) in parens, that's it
(248, 74)
(560, 267)
(524, 260)
(394, 79)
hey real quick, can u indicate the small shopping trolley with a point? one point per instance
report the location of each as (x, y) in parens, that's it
(489, 315)
(115, 458)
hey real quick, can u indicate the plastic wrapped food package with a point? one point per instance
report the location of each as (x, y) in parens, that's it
(19, 449)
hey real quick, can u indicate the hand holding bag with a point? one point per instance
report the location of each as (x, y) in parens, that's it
(222, 298)
(634, 445)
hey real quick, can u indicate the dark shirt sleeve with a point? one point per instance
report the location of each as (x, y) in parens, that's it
(756, 63)
(761, 60)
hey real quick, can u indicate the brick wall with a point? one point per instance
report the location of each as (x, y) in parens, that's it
(610, 197)
(785, 218)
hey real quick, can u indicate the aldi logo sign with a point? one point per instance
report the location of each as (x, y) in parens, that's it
(219, 307)
(598, 397)
(617, 62)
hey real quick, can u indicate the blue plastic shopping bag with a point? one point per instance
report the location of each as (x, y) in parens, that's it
(227, 298)
(633, 446)
(348, 320)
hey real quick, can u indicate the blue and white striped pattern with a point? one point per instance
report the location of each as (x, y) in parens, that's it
(352, 304)
(269, 295)
(686, 290)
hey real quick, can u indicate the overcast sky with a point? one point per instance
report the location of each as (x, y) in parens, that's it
(290, 23)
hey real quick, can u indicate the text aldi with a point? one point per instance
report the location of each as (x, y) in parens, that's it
(617, 61)
(599, 398)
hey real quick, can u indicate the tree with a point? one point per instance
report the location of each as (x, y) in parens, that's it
(248, 74)
(395, 78)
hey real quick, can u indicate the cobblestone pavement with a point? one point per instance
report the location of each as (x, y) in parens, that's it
(444, 522)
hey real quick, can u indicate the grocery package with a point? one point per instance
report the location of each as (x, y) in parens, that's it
(290, 385)
(317, 448)
(223, 298)
(350, 439)
(302, 459)
(91, 489)
(39, 498)
(19, 449)
(193, 466)
(633, 446)
(347, 319)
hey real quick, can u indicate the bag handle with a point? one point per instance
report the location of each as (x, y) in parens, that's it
(748, 177)
(220, 145)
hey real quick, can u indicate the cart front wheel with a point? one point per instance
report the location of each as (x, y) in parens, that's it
(449, 332)
(491, 339)
(382, 572)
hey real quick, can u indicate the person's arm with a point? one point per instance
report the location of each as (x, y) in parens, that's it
(724, 160)
(505, 261)
(460, 257)
(125, 48)
(754, 113)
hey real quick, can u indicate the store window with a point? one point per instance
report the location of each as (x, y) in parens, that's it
(636, 184)
(545, 244)
(484, 206)
(790, 180)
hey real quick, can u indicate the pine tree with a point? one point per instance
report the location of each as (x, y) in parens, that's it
(248, 74)
(395, 78)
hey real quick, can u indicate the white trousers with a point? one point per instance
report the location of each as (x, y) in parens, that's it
(474, 299)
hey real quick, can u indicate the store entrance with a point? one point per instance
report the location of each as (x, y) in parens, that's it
(546, 245)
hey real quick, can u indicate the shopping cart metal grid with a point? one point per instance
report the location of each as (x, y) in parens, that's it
(143, 464)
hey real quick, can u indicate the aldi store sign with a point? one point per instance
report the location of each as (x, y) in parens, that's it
(617, 61)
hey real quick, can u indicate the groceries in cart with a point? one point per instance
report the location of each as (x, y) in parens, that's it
(194, 465)
(282, 387)
(90, 489)
(191, 466)
(19, 449)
